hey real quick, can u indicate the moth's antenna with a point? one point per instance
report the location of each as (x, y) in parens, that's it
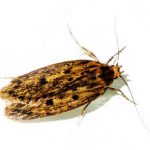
(77, 42)
(116, 54)
(116, 35)
(137, 110)
(86, 51)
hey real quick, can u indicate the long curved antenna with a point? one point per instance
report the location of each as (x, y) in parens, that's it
(86, 51)
(116, 35)
(137, 110)
(115, 55)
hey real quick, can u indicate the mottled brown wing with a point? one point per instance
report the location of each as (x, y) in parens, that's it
(51, 106)
(53, 89)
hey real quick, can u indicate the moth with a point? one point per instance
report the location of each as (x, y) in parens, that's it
(59, 87)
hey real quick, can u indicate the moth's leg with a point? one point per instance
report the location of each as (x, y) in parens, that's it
(118, 90)
(115, 55)
(84, 108)
(86, 51)
(82, 112)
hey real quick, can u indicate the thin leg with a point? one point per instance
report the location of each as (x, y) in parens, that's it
(116, 55)
(86, 51)
(83, 110)
(114, 89)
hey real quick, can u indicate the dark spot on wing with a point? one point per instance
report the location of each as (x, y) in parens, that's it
(67, 71)
(55, 82)
(10, 92)
(44, 96)
(50, 94)
(74, 87)
(16, 110)
(75, 97)
(14, 95)
(93, 77)
(29, 98)
(49, 102)
(70, 79)
(88, 72)
(61, 96)
(36, 98)
(85, 72)
(27, 112)
(42, 81)
(21, 97)
(16, 86)
(93, 84)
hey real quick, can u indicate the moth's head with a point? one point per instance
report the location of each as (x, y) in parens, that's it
(117, 71)
(108, 73)
(116, 68)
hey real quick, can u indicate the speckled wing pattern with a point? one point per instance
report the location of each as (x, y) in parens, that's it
(53, 89)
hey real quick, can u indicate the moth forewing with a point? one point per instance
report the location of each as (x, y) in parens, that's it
(57, 88)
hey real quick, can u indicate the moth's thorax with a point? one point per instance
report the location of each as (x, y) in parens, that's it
(105, 74)
(108, 73)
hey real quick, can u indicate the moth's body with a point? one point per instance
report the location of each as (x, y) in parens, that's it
(57, 88)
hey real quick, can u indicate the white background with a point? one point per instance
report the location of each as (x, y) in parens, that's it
(33, 33)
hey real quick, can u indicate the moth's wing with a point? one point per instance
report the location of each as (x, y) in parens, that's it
(46, 81)
(53, 105)
(53, 89)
